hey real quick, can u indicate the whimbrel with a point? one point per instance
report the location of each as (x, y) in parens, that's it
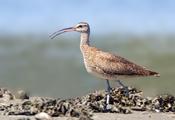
(102, 64)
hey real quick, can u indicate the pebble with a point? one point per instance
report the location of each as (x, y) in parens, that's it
(21, 94)
(43, 116)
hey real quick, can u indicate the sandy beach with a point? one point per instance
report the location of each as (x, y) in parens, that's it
(21, 106)
(106, 116)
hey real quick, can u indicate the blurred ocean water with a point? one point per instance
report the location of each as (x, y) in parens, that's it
(55, 67)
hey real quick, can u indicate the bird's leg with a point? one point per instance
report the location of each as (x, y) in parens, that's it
(108, 86)
(108, 95)
(125, 87)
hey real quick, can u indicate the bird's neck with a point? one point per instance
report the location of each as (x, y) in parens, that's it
(84, 38)
(84, 42)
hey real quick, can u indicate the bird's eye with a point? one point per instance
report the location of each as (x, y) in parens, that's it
(80, 26)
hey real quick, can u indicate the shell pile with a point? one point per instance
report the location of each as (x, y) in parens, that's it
(86, 105)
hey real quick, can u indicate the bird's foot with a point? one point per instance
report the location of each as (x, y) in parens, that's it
(125, 88)
(126, 91)
(107, 105)
(108, 97)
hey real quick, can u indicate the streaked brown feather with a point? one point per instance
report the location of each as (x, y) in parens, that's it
(113, 65)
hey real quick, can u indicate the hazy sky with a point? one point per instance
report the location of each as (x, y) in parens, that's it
(138, 16)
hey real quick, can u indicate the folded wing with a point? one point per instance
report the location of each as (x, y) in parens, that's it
(116, 65)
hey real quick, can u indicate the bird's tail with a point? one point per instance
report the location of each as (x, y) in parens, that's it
(152, 73)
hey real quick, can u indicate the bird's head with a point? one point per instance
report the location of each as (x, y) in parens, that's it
(81, 27)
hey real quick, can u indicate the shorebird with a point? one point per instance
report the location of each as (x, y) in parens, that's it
(102, 64)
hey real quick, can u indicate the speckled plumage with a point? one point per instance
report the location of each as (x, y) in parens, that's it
(103, 64)
(109, 66)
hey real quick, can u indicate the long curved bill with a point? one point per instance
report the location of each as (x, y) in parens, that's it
(52, 36)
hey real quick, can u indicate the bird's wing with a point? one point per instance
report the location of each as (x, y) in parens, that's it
(116, 65)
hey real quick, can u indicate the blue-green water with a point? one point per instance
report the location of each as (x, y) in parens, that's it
(55, 67)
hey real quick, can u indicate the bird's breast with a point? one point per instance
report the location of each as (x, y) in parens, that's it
(95, 71)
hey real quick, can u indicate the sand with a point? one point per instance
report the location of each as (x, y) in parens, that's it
(26, 108)
(108, 116)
